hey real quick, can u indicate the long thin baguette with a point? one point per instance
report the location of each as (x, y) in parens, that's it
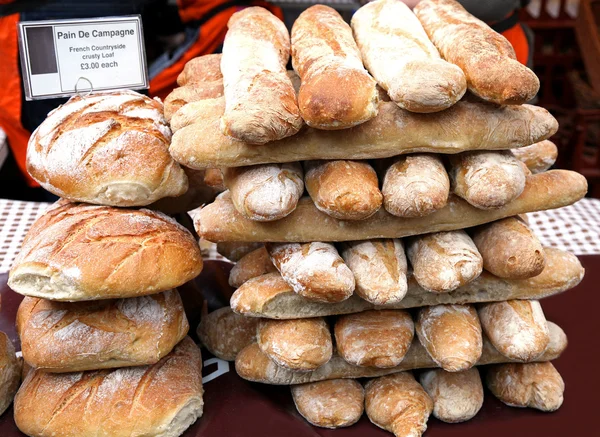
(219, 221)
(253, 365)
(394, 131)
(269, 296)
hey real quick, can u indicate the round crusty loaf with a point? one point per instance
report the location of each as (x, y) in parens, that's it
(107, 148)
(82, 252)
(72, 337)
(162, 400)
(10, 372)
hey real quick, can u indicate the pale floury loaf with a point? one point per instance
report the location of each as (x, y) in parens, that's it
(10, 372)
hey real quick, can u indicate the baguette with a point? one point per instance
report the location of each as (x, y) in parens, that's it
(394, 131)
(326, 58)
(10, 372)
(533, 385)
(486, 57)
(415, 185)
(374, 338)
(225, 333)
(314, 270)
(444, 261)
(487, 180)
(271, 297)
(252, 365)
(331, 404)
(205, 68)
(451, 334)
(265, 192)
(180, 97)
(260, 101)
(256, 263)
(457, 397)
(509, 249)
(398, 404)
(220, 222)
(302, 344)
(538, 157)
(345, 190)
(516, 328)
(399, 54)
(387, 258)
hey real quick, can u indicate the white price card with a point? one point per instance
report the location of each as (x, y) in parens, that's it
(64, 57)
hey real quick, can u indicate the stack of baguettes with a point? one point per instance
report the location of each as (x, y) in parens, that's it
(414, 220)
(102, 326)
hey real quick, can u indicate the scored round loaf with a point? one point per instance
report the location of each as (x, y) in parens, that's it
(76, 336)
(108, 149)
(10, 372)
(161, 400)
(83, 252)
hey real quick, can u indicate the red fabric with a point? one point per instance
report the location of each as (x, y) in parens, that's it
(516, 36)
(10, 94)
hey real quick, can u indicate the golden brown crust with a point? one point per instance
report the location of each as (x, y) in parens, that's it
(234, 250)
(509, 249)
(486, 57)
(251, 265)
(213, 177)
(160, 400)
(10, 372)
(220, 222)
(225, 333)
(538, 157)
(377, 338)
(533, 385)
(398, 404)
(394, 131)
(345, 190)
(201, 69)
(72, 337)
(332, 404)
(85, 252)
(192, 92)
(302, 344)
(451, 334)
(336, 91)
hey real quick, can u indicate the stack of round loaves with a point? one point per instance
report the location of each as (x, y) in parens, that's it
(102, 326)
(411, 249)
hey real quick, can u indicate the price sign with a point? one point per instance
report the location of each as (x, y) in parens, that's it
(63, 57)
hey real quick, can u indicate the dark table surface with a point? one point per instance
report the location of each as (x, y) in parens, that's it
(234, 407)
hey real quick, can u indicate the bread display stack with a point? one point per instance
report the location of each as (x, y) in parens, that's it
(387, 237)
(102, 326)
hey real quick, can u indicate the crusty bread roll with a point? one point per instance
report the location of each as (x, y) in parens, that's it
(398, 404)
(10, 372)
(235, 251)
(400, 56)
(336, 403)
(509, 249)
(386, 257)
(313, 270)
(533, 385)
(254, 365)
(444, 261)
(415, 185)
(394, 131)
(109, 148)
(219, 221)
(271, 297)
(374, 338)
(487, 58)
(72, 337)
(260, 100)
(83, 252)
(159, 400)
(204, 68)
(302, 344)
(487, 180)
(345, 190)
(265, 192)
(256, 263)
(451, 334)
(194, 92)
(225, 333)
(517, 328)
(538, 157)
(326, 58)
(190, 112)
(457, 396)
